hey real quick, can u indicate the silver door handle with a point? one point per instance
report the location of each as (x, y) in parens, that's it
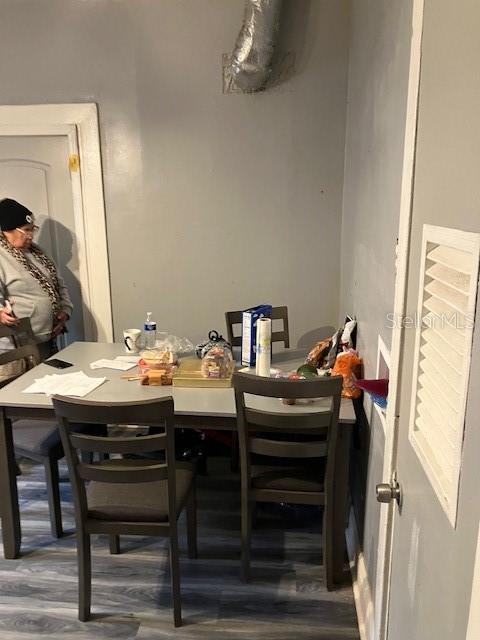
(386, 492)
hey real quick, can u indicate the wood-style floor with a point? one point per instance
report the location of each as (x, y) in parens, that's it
(131, 592)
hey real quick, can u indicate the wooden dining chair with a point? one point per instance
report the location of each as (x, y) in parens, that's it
(297, 439)
(37, 440)
(234, 318)
(127, 496)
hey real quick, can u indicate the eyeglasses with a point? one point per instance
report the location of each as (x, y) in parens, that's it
(28, 232)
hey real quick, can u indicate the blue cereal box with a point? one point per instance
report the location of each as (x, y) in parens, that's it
(249, 332)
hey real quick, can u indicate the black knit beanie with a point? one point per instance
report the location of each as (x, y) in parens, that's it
(13, 215)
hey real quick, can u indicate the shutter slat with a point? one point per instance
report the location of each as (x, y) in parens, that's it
(446, 313)
(457, 301)
(442, 368)
(447, 434)
(456, 259)
(447, 460)
(426, 385)
(444, 479)
(454, 279)
(450, 335)
(450, 395)
(451, 357)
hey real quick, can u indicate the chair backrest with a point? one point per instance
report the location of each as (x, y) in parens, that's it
(21, 334)
(251, 420)
(24, 355)
(233, 318)
(158, 413)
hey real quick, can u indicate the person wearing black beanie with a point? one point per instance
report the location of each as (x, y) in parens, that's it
(29, 282)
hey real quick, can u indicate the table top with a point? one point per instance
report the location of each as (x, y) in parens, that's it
(191, 402)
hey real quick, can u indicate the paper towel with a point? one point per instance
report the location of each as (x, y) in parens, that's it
(264, 342)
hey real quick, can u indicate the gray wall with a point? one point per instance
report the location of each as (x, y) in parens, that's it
(213, 201)
(377, 91)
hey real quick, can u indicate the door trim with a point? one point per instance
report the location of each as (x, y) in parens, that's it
(387, 512)
(80, 123)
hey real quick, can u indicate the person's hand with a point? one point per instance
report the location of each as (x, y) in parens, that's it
(7, 318)
(59, 323)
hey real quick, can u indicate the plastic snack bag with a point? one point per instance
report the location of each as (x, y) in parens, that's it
(334, 348)
(217, 362)
(169, 342)
(318, 353)
(214, 338)
(348, 365)
(346, 340)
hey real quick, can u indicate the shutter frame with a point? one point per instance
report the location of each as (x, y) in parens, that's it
(441, 460)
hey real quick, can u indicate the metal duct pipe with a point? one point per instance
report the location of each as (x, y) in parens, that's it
(250, 66)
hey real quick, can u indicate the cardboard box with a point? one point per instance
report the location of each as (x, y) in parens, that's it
(249, 332)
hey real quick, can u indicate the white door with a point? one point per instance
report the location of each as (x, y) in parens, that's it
(35, 171)
(434, 538)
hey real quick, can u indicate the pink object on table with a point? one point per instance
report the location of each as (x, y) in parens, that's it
(374, 387)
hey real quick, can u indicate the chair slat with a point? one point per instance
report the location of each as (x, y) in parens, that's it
(297, 421)
(120, 474)
(28, 351)
(281, 449)
(322, 387)
(294, 497)
(128, 528)
(139, 444)
(142, 412)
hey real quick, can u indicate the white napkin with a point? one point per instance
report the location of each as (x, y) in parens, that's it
(68, 384)
(105, 363)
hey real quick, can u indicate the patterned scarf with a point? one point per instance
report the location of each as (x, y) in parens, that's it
(52, 290)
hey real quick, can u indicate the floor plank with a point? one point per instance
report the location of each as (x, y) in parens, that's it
(131, 592)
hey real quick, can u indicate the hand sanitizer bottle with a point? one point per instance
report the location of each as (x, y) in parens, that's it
(150, 331)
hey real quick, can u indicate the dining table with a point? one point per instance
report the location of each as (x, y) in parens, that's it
(209, 408)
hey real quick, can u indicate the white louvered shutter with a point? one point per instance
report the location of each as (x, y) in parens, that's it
(445, 320)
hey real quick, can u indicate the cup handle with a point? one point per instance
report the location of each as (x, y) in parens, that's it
(126, 343)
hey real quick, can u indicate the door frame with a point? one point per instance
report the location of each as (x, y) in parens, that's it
(387, 513)
(79, 122)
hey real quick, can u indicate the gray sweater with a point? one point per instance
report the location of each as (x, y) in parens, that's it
(28, 297)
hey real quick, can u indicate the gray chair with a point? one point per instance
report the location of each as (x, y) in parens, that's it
(299, 441)
(37, 440)
(234, 318)
(127, 496)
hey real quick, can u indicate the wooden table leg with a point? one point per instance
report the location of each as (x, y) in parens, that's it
(340, 501)
(10, 513)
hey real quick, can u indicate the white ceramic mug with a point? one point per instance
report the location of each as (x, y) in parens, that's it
(131, 339)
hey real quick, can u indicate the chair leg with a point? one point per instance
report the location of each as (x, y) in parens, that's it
(53, 492)
(246, 538)
(192, 525)
(327, 527)
(114, 543)
(234, 453)
(175, 577)
(84, 576)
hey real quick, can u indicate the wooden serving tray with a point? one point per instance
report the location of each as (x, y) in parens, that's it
(188, 374)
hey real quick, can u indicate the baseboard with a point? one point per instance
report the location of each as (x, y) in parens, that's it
(360, 582)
